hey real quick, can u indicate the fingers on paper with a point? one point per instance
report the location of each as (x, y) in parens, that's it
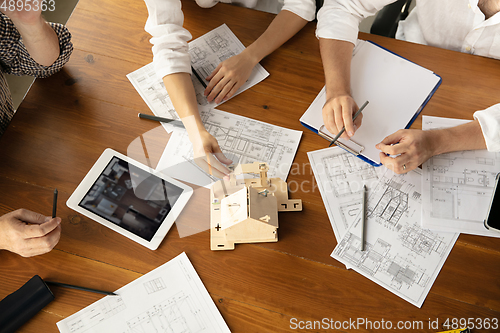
(401, 164)
(211, 165)
(222, 86)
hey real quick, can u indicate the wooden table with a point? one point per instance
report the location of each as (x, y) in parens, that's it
(67, 120)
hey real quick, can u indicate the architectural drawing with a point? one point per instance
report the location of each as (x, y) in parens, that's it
(458, 187)
(154, 285)
(177, 314)
(206, 53)
(340, 177)
(169, 299)
(399, 254)
(241, 139)
(88, 318)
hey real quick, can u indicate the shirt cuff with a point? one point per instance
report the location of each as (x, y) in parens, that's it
(489, 120)
(302, 8)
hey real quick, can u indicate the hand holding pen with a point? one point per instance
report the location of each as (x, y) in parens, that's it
(356, 115)
(338, 114)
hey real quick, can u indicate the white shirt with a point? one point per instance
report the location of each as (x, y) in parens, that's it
(452, 24)
(169, 38)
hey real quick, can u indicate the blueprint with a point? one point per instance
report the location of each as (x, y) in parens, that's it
(206, 53)
(170, 298)
(243, 140)
(399, 254)
(458, 186)
(340, 177)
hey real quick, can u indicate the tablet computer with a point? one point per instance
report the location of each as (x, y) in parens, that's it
(130, 198)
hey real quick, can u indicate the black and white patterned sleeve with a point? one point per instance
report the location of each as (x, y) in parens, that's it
(16, 60)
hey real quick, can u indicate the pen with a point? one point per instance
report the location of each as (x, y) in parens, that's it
(80, 288)
(54, 204)
(343, 128)
(198, 76)
(363, 221)
(161, 119)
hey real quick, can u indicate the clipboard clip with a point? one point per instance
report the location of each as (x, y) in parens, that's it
(356, 149)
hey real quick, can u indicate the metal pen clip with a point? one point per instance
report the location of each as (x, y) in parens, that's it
(340, 144)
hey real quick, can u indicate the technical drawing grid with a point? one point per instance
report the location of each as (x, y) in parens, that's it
(340, 177)
(241, 139)
(206, 53)
(169, 299)
(458, 186)
(399, 254)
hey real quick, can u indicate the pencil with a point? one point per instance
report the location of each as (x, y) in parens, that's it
(343, 128)
(54, 204)
(363, 221)
(198, 76)
(80, 288)
(174, 122)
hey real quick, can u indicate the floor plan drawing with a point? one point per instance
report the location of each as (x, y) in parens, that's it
(169, 299)
(241, 139)
(340, 177)
(206, 53)
(458, 186)
(154, 285)
(399, 254)
(176, 314)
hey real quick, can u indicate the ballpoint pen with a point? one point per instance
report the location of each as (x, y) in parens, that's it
(54, 204)
(343, 128)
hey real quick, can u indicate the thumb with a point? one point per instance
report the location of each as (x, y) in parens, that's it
(220, 155)
(389, 140)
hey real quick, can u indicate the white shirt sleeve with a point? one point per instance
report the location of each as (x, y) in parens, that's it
(489, 120)
(306, 9)
(169, 38)
(339, 19)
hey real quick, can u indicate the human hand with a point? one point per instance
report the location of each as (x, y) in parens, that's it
(205, 146)
(228, 77)
(28, 233)
(338, 112)
(413, 148)
(27, 13)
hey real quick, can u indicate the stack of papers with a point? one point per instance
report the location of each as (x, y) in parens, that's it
(399, 255)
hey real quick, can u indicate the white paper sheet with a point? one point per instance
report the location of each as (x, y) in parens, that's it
(206, 53)
(395, 88)
(458, 186)
(171, 298)
(243, 140)
(340, 177)
(399, 254)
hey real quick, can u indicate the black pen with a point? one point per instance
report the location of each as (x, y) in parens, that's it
(54, 204)
(343, 128)
(80, 288)
(198, 76)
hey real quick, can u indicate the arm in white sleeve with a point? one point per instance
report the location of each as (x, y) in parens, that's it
(489, 119)
(339, 19)
(169, 38)
(306, 9)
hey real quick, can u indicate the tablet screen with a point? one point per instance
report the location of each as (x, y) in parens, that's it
(131, 198)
